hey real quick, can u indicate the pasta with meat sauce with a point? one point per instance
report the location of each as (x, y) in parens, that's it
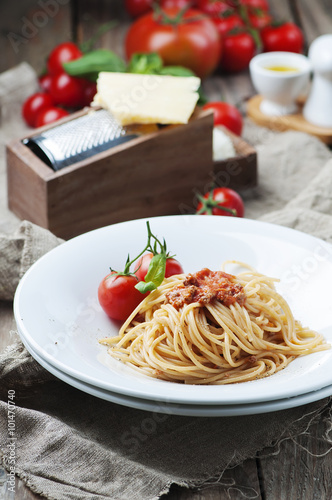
(213, 328)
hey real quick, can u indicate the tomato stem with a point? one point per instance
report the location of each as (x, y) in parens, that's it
(208, 204)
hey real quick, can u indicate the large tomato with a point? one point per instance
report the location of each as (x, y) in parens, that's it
(191, 41)
(238, 50)
(288, 37)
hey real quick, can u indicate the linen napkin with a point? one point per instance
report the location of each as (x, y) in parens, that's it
(69, 444)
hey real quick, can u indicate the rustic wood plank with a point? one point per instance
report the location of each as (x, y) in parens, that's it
(235, 484)
(301, 470)
(316, 18)
(90, 16)
(29, 31)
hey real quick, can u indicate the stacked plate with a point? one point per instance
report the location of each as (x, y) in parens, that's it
(60, 321)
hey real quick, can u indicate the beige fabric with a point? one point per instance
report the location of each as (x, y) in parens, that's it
(72, 445)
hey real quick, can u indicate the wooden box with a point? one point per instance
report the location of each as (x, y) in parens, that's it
(151, 175)
(155, 174)
(239, 172)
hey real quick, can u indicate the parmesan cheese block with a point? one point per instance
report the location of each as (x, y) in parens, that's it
(133, 98)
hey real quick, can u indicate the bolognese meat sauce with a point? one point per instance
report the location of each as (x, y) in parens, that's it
(206, 286)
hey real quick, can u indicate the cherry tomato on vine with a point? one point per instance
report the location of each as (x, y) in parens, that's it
(225, 24)
(118, 296)
(238, 50)
(137, 8)
(33, 105)
(221, 201)
(227, 115)
(287, 37)
(212, 7)
(178, 4)
(255, 5)
(261, 20)
(50, 115)
(190, 40)
(62, 53)
(89, 91)
(67, 90)
(45, 82)
(172, 266)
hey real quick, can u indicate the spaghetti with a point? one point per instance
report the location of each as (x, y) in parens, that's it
(244, 332)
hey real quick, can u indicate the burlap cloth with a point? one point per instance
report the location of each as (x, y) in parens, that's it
(72, 445)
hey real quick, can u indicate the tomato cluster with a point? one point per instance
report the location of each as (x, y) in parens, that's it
(243, 27)
(59, 93)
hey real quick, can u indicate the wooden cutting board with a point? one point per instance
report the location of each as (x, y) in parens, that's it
(287, 122)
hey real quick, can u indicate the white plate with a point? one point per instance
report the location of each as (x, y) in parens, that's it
(57, 311)
(183, 409)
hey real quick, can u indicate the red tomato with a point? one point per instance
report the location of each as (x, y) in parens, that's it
(213, 7)
(172, 266)
(89, 91)
(137, 8)
(194, 42)
(260, 21)
(256, 5)
(227, 115)
(50, 115)
(67, 90)
(178, 4)
(33, 105)
(118, 296)
(226, 24)
(45, 82)
(238, 50)
(288, 37)
(221, 197)
(62, 53)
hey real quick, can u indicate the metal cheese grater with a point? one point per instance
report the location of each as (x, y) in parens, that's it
(78, 139)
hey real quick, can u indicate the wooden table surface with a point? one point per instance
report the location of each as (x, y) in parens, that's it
(301, 468)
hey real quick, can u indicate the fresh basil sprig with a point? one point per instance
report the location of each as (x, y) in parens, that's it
(155, 275)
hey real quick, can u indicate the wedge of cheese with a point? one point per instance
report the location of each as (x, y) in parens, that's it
(133, 98)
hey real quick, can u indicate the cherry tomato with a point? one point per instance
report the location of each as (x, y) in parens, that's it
(33, 105)
(50, 115)
(192, 42)
(227, 115)
(178, 4)
(137, 8)
(62, 53)
(172, 266)
(226, 24)
(255, 5)
(89, 91)
(213, 7)
(45, 82)
(288, 37)
(238, 50)
(261, 20)
(223, 197)
(67, 90)
(118, 296)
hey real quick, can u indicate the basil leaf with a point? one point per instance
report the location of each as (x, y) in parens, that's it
(155, 275)
(145, 64)
(181, 71)
(94, 62)
(176, 71)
